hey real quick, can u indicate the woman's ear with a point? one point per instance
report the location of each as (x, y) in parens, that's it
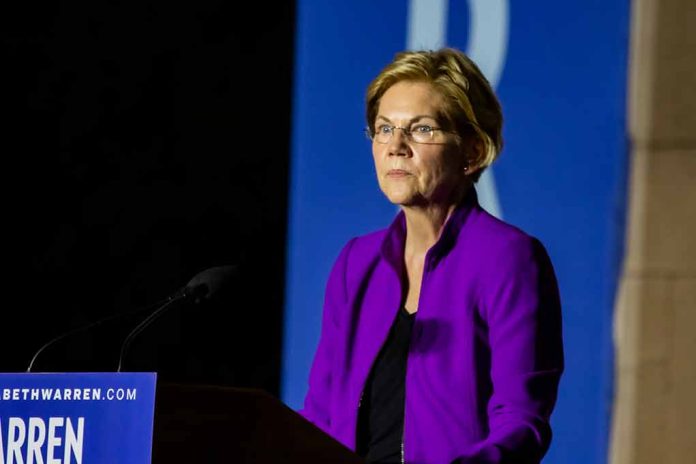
(475, 156)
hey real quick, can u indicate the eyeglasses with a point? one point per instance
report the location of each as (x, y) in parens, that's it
(418, 133)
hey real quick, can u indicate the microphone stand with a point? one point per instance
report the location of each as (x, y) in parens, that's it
(87, 327)
(203, 286)
(187, 293)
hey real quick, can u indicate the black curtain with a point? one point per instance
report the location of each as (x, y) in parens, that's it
(145, 142)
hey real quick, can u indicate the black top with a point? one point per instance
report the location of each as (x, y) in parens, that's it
(381, 414)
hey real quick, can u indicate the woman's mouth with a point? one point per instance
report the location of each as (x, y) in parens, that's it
(398, 173)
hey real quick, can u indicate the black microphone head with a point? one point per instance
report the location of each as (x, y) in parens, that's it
(210, 282)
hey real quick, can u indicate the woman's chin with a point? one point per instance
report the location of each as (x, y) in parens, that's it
(401, 198)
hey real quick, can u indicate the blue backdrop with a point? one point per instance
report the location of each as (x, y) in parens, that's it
(560, 72)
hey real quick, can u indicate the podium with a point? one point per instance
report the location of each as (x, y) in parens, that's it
(232, 425)
(107, 418)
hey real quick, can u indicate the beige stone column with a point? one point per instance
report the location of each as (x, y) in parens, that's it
(654, 418)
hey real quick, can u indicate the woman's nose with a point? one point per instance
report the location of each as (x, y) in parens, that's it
(398, 143)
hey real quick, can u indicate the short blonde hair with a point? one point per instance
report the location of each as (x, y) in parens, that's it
(471, 107)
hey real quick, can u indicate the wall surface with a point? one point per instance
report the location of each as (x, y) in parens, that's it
(655, 407)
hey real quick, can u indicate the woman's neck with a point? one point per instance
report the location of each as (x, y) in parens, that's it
(424, 225)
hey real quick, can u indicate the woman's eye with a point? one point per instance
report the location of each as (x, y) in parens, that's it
(384, 129)
(422, 128)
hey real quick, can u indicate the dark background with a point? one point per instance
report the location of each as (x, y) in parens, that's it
(144, 143)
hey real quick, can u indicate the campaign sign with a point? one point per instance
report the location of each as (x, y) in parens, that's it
(76, 418)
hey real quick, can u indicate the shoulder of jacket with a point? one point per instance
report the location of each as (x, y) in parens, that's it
(359, 255)
(367, 245)
(499, 236)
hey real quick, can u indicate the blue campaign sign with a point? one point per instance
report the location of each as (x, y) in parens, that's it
(76, 418)
(559, 69)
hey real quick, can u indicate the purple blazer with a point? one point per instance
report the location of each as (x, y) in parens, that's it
(486, 352)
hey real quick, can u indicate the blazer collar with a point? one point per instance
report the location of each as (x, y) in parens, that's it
(392, 248)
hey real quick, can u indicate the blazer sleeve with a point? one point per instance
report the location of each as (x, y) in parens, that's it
(316, 407)
(521, 305)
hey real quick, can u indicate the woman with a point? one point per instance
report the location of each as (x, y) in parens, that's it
(441, 335)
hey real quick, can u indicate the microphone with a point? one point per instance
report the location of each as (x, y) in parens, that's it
(210, 283)
(84, 328)
(204, 286)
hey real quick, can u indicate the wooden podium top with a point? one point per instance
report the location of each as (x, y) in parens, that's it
(205, 424)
